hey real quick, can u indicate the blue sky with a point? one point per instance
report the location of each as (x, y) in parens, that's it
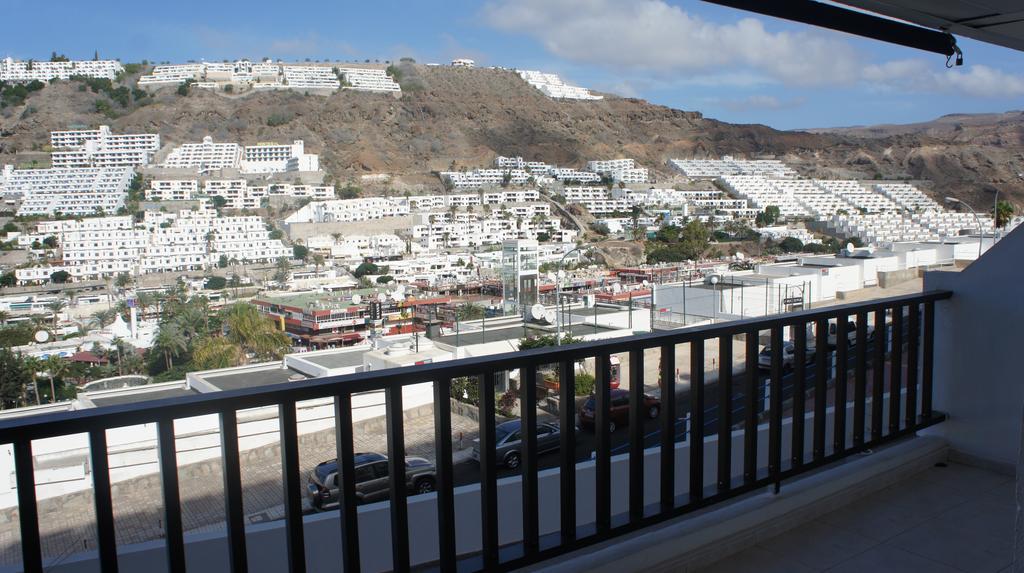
(690, 55)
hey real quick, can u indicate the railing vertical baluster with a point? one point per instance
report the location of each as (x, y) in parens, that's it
(896, 370)
(602, 415)
(488, 472)
(102, 499)
(668, 427)
(799, 394)
(775, 399)
(528, 432)
(394, 414)
(294, 538)
(820, 386)
(927, 359)
(750, 410)
(637, 417)
(28, 512)
(913, 347)
(842, 348)
(567, 445)
(860, 381)
(697, 420)
(878, 375)
(724, 413)
(168, 455)
(346, 453)
(233, 504)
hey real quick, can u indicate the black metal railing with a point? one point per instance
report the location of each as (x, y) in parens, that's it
(744, 399)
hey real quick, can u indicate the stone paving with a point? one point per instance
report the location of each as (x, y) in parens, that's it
(68, 526)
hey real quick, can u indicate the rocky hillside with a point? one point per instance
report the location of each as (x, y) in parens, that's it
(464, 117)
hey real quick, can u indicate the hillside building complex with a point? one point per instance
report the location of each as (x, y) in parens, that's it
(208, 157)
(237, 193)
(12, 70)
(100, 148)
(552, 86)
(70, 191)
(269, 75)
(106, 247)
(715, 168)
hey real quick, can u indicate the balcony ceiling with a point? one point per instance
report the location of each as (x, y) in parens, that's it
(998, 22)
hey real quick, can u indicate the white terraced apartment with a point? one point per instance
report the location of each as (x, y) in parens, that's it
(275, 158)
(465, 230)
(781, 232)
(172, 74)
(172, 190)
(463, 63)
(100, 148)
(310, 77)
(346, 210)
(369, 79)
(70, 191)
(583, 194)
(358, 247)
(569, 174)
(609, 165)
(485, 177)
(727, 165)
(164, 242)
(907, 196)
(12, 70)
(204, 157)
(503, 162)
(552, 86)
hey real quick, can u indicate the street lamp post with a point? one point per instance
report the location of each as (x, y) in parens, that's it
(714, 299)
(977, 221)
(558, 295)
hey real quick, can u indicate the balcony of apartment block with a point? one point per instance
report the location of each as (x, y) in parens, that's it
(891, 445)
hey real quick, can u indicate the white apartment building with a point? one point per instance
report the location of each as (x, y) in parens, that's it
(727, 165)
(310, 77)
(358, 247)
(164, 242)
(275, 158)
(575, 175)
(463, 63)
(346, 210)
(204, 157)
(584, 194)
(485, 177)
(172, 74)
(502, 162)
(552, 86)
(100, 148)
(369, 79)
(316, 192)
(70, 191)
(172, 190)
(908, 197)
(12, 70)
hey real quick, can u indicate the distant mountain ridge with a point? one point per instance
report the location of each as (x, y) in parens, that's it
(461, 118)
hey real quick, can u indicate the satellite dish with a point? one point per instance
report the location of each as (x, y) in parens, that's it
(849, 247)
(381, 297)
(538, 312)
(617, 288)
(550, 317)
(42, 336)
(740, 256)
(357, 298)
(645, 283)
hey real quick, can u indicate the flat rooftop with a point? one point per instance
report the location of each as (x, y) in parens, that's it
(252, 378)
(599, 310)
(326, 300)
(130, 397)
(334, 360)
(515, 333)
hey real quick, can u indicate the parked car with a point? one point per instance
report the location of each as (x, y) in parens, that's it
(371, 475)
(764, 359)
(851, 333)
(509, 442)
(619, 412)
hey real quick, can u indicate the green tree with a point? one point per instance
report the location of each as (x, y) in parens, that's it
(50, 242)
(385, 279)
(366, 269)
(170, 342)
(60, 277)
(56, 367)
(300, 252)
(215, 283)
(15, 378)
(1004, 212)
(254, 332)
(212, 352)
(222, 262)
(791, 245)
(469, 311)
(542, 340)
(8, 279)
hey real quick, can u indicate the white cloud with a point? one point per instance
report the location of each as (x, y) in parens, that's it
(652, 35)
(920, 76)
(665, 41)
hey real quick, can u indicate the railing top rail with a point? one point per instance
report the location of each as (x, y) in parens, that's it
(64, 423)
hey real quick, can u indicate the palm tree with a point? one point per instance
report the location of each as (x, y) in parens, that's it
(318, 261)
(170, 341)
(56, 307)
(213, 352)
(4, 315)
(56, 367)
(102, 318)
(34, 364)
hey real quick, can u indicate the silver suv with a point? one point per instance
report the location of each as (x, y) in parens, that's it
(372, 482)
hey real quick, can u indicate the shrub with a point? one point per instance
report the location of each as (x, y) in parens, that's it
(215, 283)
(277, 119)
(585, 383)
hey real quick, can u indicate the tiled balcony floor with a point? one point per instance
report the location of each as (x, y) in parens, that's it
(945, 519)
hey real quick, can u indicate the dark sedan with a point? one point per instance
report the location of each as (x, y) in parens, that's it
(619, 412)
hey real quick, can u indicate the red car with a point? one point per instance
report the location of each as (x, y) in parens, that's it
(619, 414)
